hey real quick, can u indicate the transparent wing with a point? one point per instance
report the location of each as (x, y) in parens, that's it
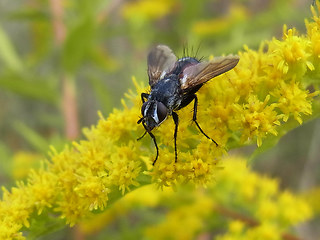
(161, 61)
(202, 72)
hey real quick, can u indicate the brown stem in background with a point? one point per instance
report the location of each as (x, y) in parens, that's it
(69, 108)
(69, 103)
(58, 26)
(248, 220)
(235, 215)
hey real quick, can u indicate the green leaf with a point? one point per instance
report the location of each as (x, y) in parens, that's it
(102, 93)
(267, 144)
(43, 225)
(36, 89)
(77, 44)
(29, 15)
(31, 136)
(8, 53)
(116, 194)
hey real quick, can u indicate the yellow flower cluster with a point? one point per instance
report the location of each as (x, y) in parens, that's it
(312, 198)
(266, 89)
(258, 196)
(185, 221)
(17, 205)
(147, 10)
(23, 162)
(256, 210)
(220, 25)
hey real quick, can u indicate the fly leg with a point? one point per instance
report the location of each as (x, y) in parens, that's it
(195, 106)
(176, 122)
(154, 141)
(141, 121)
(144, 96)
(142, 136)
(155, 144)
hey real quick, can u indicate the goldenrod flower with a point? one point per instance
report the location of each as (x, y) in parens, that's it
(257, 208)
(147, 10)
(23, 162)
(256, 99)
(217, 25)
(272, 211)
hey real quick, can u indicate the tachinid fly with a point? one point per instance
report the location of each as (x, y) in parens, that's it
(174, 83)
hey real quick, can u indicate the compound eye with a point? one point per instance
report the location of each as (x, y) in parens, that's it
(162, 111)
(143, 108)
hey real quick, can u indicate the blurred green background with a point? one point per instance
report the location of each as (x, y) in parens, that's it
(54, 54)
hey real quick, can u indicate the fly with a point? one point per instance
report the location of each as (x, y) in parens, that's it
(174, 83)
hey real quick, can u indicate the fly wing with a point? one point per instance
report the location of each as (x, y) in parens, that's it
(161, 61)
(197, 74)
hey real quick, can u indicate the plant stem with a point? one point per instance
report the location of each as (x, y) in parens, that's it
(69, 103)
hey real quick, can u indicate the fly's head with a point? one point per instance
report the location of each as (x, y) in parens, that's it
(154, 113)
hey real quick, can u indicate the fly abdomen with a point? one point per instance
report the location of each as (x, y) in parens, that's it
(182, 63)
